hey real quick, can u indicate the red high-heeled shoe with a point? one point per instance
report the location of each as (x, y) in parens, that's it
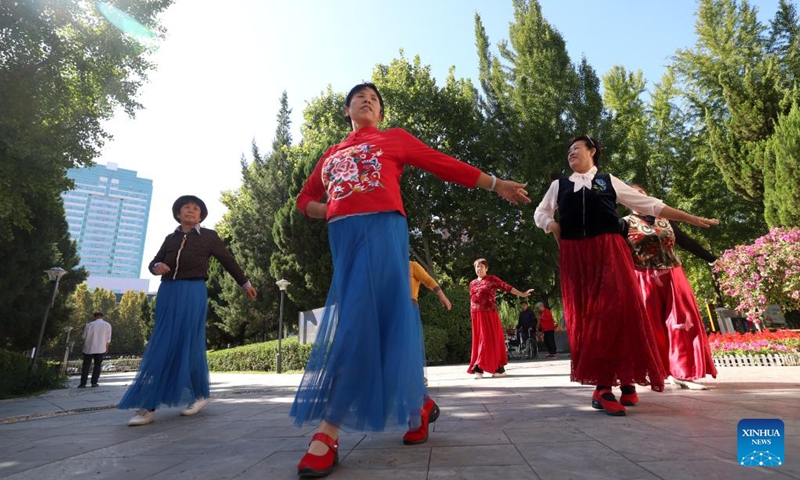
(610, 406)
(430, 412)
(314, 466)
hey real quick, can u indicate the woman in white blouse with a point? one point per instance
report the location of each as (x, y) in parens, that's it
(610, 342)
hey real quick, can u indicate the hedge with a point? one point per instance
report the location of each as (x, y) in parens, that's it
(448, 334)
(260, 357)
(16, 380)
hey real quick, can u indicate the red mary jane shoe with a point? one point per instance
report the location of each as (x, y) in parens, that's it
(430, 412)
(629, 399)
(605, 400)
(315, 466)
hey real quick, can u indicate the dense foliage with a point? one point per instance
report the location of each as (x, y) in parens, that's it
(16, 380)
(63, 70)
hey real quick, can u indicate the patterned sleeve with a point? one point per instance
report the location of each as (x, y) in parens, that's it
(499, 284)
(313, 190)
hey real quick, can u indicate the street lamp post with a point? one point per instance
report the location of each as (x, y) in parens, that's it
(54, 274)
(67, 329)
(282, 284)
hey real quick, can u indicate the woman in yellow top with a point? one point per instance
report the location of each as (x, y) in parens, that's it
(430, 410)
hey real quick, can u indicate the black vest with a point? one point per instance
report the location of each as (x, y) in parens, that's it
(588, 213)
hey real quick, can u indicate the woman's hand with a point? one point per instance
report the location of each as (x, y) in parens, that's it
(161, 269)
(251, 292)
(444, 300)
(703, 222)
(555, 228)
(317, 209)
(527, 293)
(512, 191)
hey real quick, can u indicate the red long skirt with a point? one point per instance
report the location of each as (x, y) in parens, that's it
(683, 345)
(611, 339)
(488, 342)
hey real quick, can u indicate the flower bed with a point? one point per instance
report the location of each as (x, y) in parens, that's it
(765, 348)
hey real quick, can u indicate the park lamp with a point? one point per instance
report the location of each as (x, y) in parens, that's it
(54, 275)
(282, 284)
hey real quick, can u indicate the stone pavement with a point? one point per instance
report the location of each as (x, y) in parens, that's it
(533, 424)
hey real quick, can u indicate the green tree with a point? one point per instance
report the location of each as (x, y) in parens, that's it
(537, 100)
(302, 256)
(739, 80)
(128, 329)
(63, 70)
(782, 178)
(249, 221)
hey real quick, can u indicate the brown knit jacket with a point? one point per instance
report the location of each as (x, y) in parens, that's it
(197, 250)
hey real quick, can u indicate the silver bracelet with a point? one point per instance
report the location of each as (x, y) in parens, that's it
(494, 183)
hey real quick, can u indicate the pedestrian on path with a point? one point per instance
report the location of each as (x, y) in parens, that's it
(96, 337)
(611, 340)
(365, 368)
(174, 368)
(548, 326)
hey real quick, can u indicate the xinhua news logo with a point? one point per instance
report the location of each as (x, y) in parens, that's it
(760, 442)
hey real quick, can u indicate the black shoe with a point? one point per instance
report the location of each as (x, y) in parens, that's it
(81, 386)
(95, 385)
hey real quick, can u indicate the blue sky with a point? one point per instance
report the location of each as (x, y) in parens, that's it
(221, 70)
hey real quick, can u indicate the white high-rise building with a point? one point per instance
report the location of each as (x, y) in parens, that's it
(107, 213)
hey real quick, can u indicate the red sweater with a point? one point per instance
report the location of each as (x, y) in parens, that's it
(546, 321)
(362, 174)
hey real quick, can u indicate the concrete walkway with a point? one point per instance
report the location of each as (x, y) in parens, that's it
(533, 424)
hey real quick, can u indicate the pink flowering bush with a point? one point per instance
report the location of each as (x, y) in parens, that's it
(766, 272)
(784, 342)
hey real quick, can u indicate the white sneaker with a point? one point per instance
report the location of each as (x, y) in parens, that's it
(142, 417)
(195, 407)
(478, 375)
(694, 386)
(502, 374)
(678, 383)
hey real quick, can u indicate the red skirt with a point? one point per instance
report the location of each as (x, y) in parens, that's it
(672, 308)
(611, 339)
(488, 342)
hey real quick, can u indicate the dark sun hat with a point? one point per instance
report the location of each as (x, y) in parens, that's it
(183, 200)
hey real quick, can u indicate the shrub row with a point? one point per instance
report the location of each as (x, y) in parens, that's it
(16, 380)
(448, 334)
(260, 357)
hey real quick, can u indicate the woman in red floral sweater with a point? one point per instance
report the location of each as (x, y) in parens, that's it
(365, 371)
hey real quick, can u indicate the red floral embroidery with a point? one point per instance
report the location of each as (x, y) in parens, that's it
(352, 169)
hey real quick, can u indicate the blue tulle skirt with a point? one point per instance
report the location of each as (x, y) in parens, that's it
(365, 369)
(174, 369)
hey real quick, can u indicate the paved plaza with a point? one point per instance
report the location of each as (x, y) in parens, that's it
(533, 424)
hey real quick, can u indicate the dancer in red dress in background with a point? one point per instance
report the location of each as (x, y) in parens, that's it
(611, 340)
(670, 302)
(488, 340)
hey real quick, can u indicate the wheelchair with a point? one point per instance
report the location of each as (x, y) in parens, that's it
(518, 348)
